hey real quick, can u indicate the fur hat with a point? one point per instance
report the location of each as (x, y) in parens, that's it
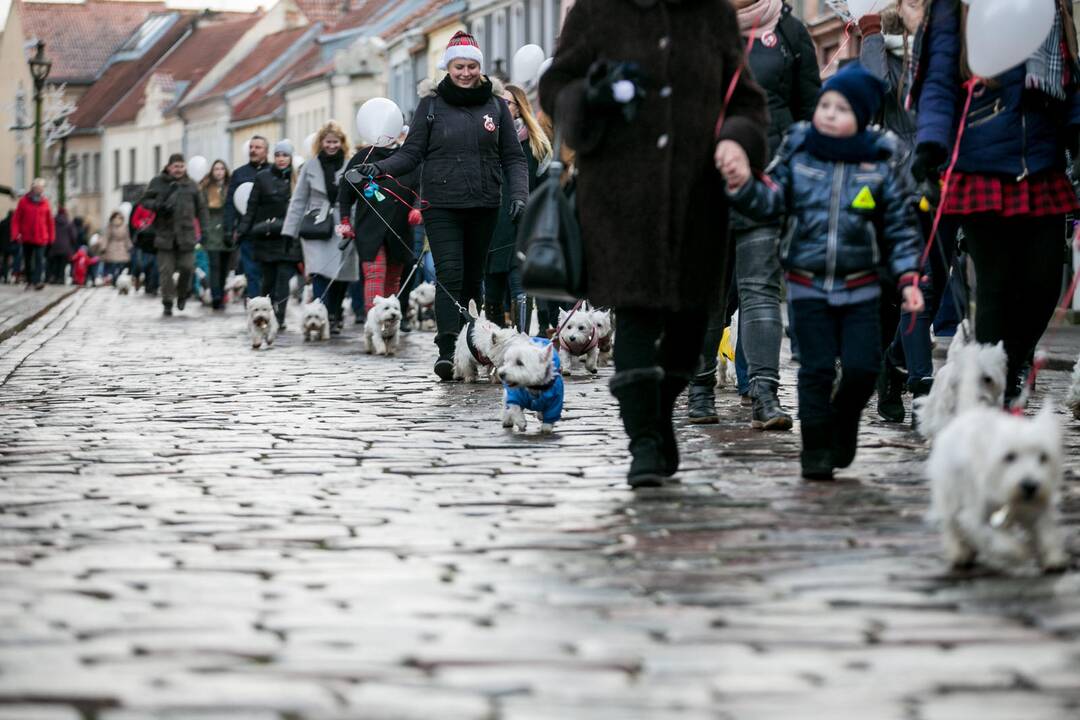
(463, 46)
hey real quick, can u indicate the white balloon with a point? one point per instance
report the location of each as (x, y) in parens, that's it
(197, 167)
(125, 209)
(858, 8)
(526, 64)
(240, 197)
(544, 68)
(297, 161)
(1001, 34)
(379, 122)
(309, 141)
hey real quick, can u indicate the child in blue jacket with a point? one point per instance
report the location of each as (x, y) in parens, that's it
(851, 215)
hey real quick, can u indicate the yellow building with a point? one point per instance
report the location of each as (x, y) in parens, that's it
(17, 103)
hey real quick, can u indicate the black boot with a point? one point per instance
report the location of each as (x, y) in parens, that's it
(166, 308)
(767, 414)
(845, 437)
(701, 405)
(816, 455)
(890, 388)
(670, 388)
(495, 314)
(444, 366)
(638, 393)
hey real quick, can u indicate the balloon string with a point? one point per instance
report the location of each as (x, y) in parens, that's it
(836, 55)
(735, 77)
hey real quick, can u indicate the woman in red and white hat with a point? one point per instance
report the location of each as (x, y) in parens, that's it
(464, 136)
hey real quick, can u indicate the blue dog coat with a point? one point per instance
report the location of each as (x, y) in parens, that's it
(545, 399)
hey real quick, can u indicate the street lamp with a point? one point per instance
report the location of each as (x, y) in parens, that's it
(39, 70)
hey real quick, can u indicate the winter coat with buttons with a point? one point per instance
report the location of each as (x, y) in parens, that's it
(847, 221)
(650, 201)
(785, 65)
(321, 257)
(265, 217)
(33, 222)
(178, 204)
(117, 243)
(380, 223)
(464, 150)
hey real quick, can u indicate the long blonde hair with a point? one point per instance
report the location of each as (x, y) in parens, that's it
(538, 140)
(330, 128)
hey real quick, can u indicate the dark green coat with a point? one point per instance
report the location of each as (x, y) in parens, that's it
(504, 239)
(177, 203)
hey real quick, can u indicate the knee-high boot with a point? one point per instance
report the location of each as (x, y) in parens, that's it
(670, 388)
(638, 393)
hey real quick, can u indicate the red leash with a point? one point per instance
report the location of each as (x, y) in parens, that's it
(735, 77)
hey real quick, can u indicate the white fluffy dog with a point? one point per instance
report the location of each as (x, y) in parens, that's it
(480, 347)
(578, 339)
(973, 375)
(725, 369)
(422, 306)
(123, 282)
(315, 321)
(994, 483)
(382, 328)
(1072, 400)
(605, 331)
(296, 287)
(531, 383)
(262, 324)
(236, 287)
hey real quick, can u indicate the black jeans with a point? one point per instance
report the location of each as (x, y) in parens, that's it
(825, 333)
(332, 293)
(275, 283)
(459, 241)
(650, 338)
(55, 269)
(1018, 270)
(33, 263)
(221, 261)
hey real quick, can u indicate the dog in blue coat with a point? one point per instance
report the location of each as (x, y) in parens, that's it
(531, 378)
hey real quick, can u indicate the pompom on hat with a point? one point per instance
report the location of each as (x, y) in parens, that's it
(462, 46)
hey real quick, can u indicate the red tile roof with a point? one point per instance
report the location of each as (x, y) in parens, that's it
(426, 10)
(360, 15)
(270, 96)
(80, 38)
(120, 77)
(186, 64)
(324, 11)
(265, 52)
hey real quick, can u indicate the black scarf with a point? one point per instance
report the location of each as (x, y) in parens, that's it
(465, 97)
(861, 147)
(330, 165)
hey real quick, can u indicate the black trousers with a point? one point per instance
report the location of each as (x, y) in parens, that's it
(1018, 272)
(459, 241)
(275, 283)
(55, 268)
(221, 261)
(650, 338)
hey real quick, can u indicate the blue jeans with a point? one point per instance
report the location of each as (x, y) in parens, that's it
(914, 350)
(742, 370)
(34, 263)
(825, 333)
(252, 269)
(113, 270)
(148, 266)
(356, 298)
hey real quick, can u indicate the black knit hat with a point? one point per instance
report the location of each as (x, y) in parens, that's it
(863, 91)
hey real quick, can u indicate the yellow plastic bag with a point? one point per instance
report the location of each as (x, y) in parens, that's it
(727, 350)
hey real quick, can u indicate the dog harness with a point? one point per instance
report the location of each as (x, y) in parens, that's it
(579, 348)
(547, 398)
(478, 356)
(604, 344)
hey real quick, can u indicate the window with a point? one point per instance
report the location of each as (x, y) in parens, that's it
(97, 172)
(20, 173)
(517, 27)
(116, 169)
(157, 158)
(73, 163)
(499, 40)
(84, 170)
(536, 22)
(551, 25)
(131, 165)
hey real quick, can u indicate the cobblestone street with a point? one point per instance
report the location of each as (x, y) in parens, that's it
(191, 529)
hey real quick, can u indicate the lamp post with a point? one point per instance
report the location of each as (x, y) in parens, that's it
(39, 70)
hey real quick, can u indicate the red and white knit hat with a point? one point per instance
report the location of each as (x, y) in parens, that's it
(463, 46)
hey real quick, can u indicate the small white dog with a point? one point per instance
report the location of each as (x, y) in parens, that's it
(994, 484)
(1072, 400)
(605, 331)
(973, 375)
(422, 306)
(315, 321)
(382, 328)
(531, 383)
(578, 339)
(262, 323)
(480, 347)
(236, 287)
(296, 287)
(123, 282)
(725, 369)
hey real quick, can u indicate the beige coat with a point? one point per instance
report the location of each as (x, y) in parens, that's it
(117, 243)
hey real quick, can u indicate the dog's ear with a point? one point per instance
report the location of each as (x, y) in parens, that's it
(472, 309)
(562, 314)
(378, 298)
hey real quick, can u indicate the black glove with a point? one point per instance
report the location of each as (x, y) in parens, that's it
(929, 157)
(517, 209)
(362, 173)
(614, 86)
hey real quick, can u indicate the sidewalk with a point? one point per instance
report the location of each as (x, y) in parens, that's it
(19, 307)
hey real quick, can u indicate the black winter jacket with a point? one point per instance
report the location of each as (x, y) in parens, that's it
(371, 232)
(464, 150)
(243, 174)
(504, 238)
(785, 66)
(178, 204)
(265, 216)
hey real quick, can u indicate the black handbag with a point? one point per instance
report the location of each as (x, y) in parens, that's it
(311, 228)
(549, 239)
(270, 226)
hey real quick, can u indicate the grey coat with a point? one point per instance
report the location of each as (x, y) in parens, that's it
(178, 203)
(321, 257)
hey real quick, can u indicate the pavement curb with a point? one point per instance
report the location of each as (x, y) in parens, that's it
(28, 321)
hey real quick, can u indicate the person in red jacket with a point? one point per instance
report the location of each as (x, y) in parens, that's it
(34, 227)
(81, 262)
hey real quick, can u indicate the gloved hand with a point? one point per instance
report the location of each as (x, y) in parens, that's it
(367, 170)
(869, 24)
(929, 157)
(344, 229)
(611, 86)
(517, 209)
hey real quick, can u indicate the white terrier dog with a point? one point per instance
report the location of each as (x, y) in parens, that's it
(296, 287)
(382, 328)
(315, 321)
(605, 331)
(123, 282)
(578, 339)
(422, 306)
(973, 375)
(1072, 400)
(480, 347)
(531, 382)
(262, 324)
(994, 483)
(236, 287)
(725, 369)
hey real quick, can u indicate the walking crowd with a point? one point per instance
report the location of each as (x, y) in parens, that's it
(701, 188)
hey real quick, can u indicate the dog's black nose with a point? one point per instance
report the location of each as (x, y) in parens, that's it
(1029, 488)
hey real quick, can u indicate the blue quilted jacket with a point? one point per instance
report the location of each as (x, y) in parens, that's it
(546, 400)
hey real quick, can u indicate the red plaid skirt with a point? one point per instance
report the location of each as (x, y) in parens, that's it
(1047, 193)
